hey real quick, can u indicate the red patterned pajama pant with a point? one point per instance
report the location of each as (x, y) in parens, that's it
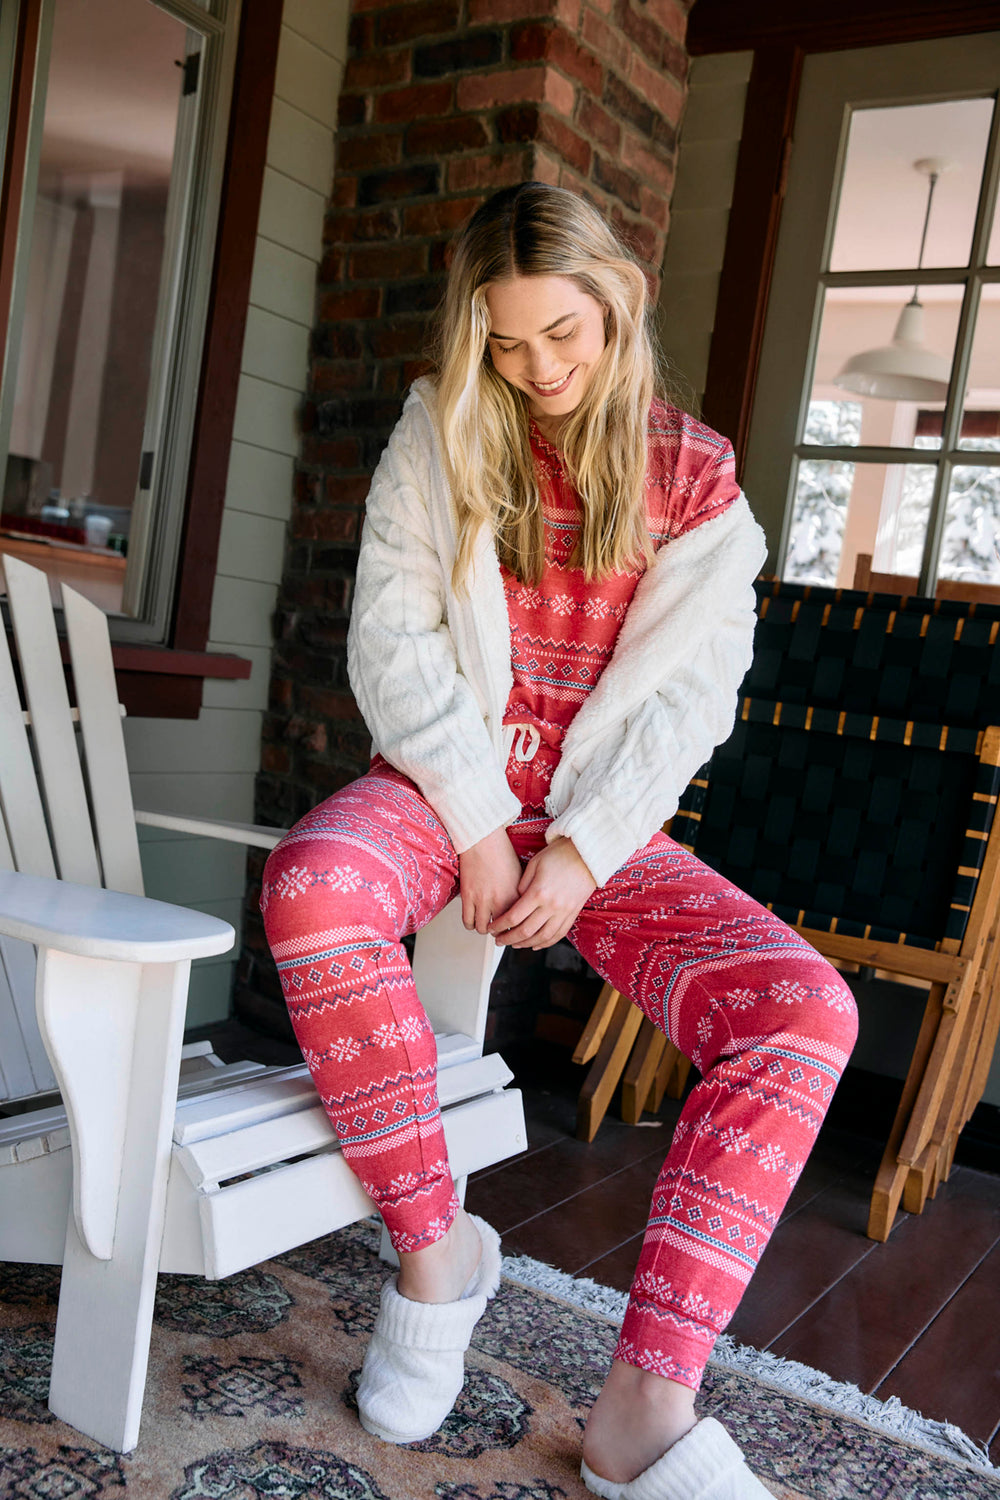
(767, 1022)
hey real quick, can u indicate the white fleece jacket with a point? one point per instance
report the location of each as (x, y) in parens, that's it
(431, 669)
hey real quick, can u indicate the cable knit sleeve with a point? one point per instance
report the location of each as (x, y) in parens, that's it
(689, 631)
(421, 710)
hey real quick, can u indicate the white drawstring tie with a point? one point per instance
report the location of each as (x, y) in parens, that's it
(523, 739)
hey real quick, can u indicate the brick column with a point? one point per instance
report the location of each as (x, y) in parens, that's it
(443, 102)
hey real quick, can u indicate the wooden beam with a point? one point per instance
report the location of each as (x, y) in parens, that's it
(16, 154)
(745, 282)
(824, 26)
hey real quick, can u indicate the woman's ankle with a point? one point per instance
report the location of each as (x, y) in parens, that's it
(635, 1419)
(440, 1272)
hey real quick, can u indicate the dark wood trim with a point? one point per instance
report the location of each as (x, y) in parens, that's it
(161, 660)
(751, 240)
(246, 150)
(828, 25)
(16, 153)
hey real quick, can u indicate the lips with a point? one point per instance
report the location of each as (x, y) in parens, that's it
(553, 390)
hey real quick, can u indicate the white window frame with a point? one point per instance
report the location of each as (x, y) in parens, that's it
(833, 84)
(185, 286)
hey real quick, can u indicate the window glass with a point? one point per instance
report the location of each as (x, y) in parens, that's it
(970, 549)
(99, 245)
(993, 253)
(883, 198)
(872, 340)
(981, 416)
(852, 519)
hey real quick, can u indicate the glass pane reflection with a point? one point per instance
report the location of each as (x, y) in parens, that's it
(981, 418)
(882, 198)
(852, 520)
(860, 319)
(970, 550)
(97, 249)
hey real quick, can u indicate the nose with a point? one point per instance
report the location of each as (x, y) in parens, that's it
(539, 367)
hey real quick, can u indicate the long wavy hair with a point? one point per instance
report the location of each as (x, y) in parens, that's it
(537, 230)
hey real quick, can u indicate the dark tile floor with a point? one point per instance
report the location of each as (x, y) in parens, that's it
(917, 1318)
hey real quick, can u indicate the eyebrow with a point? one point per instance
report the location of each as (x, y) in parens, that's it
(509, 338)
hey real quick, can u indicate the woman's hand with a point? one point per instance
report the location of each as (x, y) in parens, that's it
(488, 876)
(553, 888)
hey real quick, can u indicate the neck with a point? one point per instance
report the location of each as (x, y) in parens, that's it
(551, 428)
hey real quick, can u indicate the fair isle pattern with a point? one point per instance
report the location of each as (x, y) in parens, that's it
(563, 629)
(349, 988)
(686, 946)
(765, 1018)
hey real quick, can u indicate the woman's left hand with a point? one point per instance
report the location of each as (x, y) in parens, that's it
(553, 888)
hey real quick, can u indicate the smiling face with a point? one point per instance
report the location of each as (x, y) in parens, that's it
(546, 336)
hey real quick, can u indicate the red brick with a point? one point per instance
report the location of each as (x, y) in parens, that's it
(442, 137)
(362, 302)
(416, 19)
(559, 92)
(635, 154)
(607, 6)
(409, 180)
(343, 227)
(500, 12)
(577, 184)
(572, 147)
(370, 5)
(375, 70)
(643, 238)
(624, 185)
(640, 30)
(327, 703)
(361, 34)
(352, 109)
(331, 267)
(443, 217)
(275, 758)
(414, 368)
(332, 375)
(388, 380)
(388, 262)
(399, 338)
(671, 16)
(654, 206)
(487, 90)
(535, 41)
(340, 525)
(362, 152)
(608, 43)
(490, 172)
(413, 103)
(335, 453)
(280, 693)
(345, 191)
(517, 123)
(658, 88)
(547, 168)
(596, 122)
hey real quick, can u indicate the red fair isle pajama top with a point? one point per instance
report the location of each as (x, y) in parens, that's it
(768, 1023)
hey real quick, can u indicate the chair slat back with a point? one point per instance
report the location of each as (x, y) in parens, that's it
(104, 743)
(25, 846)
(53, 733)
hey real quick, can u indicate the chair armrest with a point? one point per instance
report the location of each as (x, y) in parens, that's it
(94, 923)
(257, 835)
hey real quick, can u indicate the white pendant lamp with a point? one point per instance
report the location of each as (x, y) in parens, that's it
(905, 370)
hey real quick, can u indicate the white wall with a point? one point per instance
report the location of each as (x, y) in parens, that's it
(208, 765)
(699, 216)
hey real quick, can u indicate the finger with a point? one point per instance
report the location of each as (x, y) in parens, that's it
(483, 916)
(514, 915)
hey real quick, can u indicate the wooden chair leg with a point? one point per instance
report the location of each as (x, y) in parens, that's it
(607, 1068)
(673, 1065)
(891, 1176)
(641, 1071)
(597, 1024)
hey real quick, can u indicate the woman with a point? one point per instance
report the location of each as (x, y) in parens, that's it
(554, 611)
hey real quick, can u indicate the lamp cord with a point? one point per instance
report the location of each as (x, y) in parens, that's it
(931, 185)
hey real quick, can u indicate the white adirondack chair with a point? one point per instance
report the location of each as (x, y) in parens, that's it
(121, 1176)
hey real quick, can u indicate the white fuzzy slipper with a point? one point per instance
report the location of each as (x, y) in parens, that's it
(705, 1464)
(414, 1365)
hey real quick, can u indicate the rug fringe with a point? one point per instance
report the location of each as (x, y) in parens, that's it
(889, 1416)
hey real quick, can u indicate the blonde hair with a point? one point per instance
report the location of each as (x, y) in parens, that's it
(536, 230)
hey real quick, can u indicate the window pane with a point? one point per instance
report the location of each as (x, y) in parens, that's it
(850, 520)
(98, 241)
(993, 252)
(883, 198)
(864, 346)
(969, 551)
(981, 418)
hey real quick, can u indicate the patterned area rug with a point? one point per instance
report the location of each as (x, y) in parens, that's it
(251, 1395)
